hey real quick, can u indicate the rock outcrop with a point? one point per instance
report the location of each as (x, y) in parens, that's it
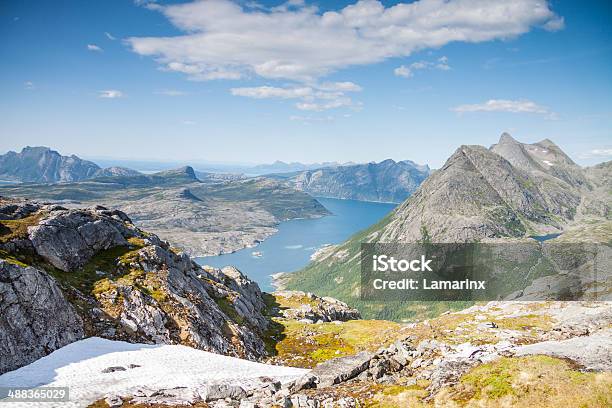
(35, 317)
(68, 239)
(307, 307)
(73, 272)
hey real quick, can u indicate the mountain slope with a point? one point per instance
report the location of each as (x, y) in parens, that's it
(65, 274)
(43, 165)
(478, 195)
(387, 181)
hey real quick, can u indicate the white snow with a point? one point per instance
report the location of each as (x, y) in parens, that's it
(547, 162)
(79, 366)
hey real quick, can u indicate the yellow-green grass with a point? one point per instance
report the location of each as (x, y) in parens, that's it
(113, 262)
(534, 381)
(456, 328)
(17, 229)
(305, 345)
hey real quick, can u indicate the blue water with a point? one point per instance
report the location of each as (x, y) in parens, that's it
(542, 238)
(291, 247)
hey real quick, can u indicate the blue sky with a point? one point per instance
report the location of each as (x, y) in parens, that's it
(318, 81)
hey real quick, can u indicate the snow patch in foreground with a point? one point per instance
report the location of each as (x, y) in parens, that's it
(79, 366)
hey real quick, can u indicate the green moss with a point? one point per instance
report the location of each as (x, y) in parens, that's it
(101, 286)
(109, 262)
(12, 259)
(227, 307)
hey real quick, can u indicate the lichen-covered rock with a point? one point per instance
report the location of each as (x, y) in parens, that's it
(341, 369)
(68, 239)
(16, 209)
(35, 318)
(127, 284)
(298, 305)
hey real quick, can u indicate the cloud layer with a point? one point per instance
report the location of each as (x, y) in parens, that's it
(224, 40)
(408, 71)
(604, 154)
(321, 97)
(505, 105)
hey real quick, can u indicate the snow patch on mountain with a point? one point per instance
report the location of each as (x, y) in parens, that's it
(96, 367)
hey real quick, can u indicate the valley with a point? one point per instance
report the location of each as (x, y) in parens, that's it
(291, 248)
(503, 194)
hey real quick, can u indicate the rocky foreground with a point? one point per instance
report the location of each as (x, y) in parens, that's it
(66, 274)
(498, 354)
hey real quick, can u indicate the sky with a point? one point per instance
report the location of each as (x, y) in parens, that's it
(222, 81)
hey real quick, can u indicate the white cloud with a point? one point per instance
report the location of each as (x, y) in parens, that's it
(403, 71)
(262, 92)
(328, 95)
(340, 86)
(506, 105)
(604, 153)
(29, 85)
(110, 94)
(188, 122)
(93, 47)
(408, 71)
(224, 40)
(110, 36)
(339, 102)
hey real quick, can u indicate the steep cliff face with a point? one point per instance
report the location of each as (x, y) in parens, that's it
(66, 274)
(43, 165)
(35, 317)
(387, 181)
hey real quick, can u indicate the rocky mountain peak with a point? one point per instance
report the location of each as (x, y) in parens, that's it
(40, 164)
(506, 138)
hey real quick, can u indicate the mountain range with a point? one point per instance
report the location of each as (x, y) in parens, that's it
(104, 301)
(509, 191)
(42, 165)
(386, 181)
(205, 216)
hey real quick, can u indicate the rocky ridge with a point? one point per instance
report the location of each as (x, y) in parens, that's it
(43, 165)
(98, 274)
